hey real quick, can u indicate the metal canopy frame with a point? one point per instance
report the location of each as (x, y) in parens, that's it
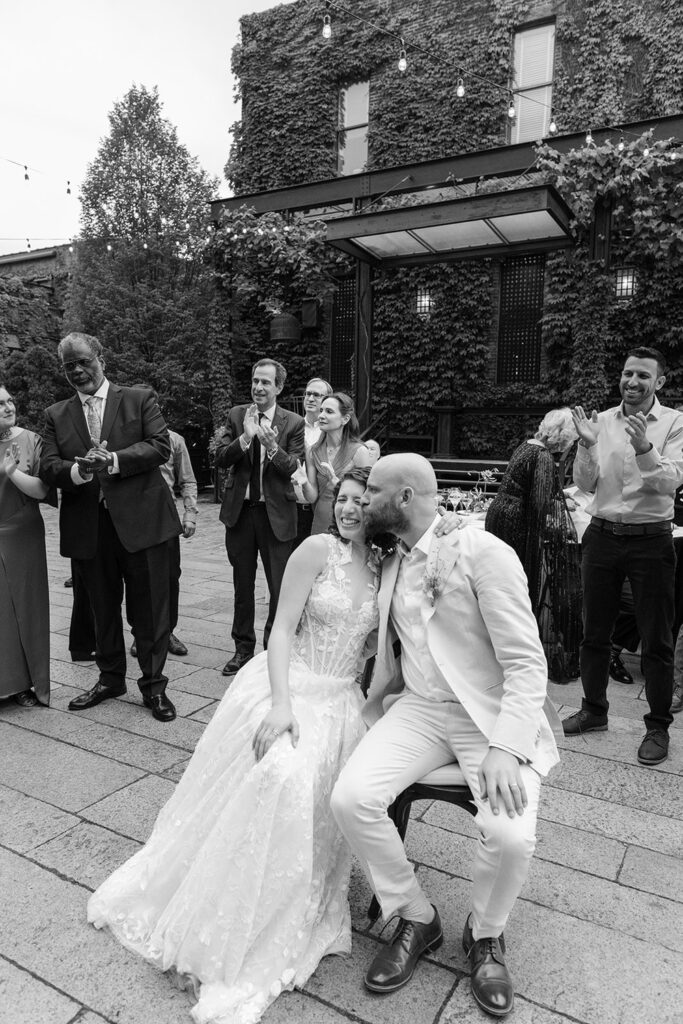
(499, 223)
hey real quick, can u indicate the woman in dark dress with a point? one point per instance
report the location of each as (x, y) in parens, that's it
(530, 513)
(24, 604)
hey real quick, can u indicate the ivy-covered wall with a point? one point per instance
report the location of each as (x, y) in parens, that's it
(616, 61)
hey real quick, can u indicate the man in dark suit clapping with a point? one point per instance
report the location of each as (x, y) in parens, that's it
(261, 446)
(103, 447)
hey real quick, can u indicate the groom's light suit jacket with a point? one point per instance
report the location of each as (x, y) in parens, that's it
(483, 636)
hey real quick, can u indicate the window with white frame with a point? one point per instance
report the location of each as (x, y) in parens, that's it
(352, 132)
(532, 82)
(625, 282)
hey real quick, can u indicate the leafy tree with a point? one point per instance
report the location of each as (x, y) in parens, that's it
(141, 283)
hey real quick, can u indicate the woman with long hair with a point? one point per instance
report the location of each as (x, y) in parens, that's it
(338, 450)
(530, 513)
(24, 602)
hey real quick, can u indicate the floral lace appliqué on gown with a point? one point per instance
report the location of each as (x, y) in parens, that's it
(242, 886)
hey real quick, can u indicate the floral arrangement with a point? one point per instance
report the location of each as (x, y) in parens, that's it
(475, 499)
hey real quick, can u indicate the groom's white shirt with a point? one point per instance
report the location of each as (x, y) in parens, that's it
(483, 638)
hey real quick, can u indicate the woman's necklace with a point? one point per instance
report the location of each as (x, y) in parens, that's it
(6, 434)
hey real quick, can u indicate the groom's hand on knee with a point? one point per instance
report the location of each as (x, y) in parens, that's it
(500, 782)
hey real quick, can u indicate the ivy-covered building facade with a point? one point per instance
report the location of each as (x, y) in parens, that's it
(503, 327)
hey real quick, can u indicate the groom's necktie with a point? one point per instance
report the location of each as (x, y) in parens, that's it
(92, 415)
(255, 478)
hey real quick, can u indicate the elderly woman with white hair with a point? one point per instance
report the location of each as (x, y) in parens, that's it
(530, 514)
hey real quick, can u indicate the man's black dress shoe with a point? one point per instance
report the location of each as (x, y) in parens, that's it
(82, 655)
(583, 721)
(176, 647)
(160, 706)
(393, 967)
(26, 699)
(654, 748)
(677, 699)
(617, 669)
(69, 582)
(238, 659)
(95, 696)
(491, 982)
(133, 650)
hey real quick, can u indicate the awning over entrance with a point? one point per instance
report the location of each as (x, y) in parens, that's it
(534, 219)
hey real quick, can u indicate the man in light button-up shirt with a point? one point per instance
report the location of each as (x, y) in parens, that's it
(630, 459)
(471, 684)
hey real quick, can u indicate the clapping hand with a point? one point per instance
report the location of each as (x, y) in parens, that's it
(267, 435)
(11, 459)
(251, 422)
(299, 476)
(636, 428)
(334, 479)
(99, 456)
(587, 429)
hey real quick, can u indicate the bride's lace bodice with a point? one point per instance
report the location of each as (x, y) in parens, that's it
(331, 635)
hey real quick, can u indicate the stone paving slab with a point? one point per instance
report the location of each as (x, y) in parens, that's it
(58, 773)
(125, 747)
(655, 873)
(70, 955)
(26, 822)
(132, 811)
(621, 783)
(30, 1000)
(86, 853)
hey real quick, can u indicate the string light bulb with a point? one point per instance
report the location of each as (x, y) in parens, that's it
(511, 108)
(327, 26)
(28, 244)
(108, 247)
(25, 175)
(460, 89)
(402, 58)
(646, 151)
(621, 144)
(68, 188)
(589, 138)
(552, 127)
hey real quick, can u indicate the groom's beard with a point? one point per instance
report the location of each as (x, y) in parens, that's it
(385, 519)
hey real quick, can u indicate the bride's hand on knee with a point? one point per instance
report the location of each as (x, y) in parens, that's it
(278, 721)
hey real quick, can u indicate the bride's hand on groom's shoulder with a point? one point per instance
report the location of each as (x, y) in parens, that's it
(278, 721)
(449, 521)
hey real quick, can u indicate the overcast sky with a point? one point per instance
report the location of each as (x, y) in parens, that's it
(63, 65)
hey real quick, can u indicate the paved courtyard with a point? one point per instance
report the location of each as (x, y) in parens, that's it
(596, 938)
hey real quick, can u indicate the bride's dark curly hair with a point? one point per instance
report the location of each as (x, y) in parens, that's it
(385, 542)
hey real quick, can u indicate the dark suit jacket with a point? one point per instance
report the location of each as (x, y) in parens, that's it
(138, 499)
(278, 491)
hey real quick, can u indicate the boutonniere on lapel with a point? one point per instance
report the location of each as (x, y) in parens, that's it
(434, 576)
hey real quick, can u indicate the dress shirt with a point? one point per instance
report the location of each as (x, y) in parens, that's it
(630, 488)
(409, 604)
(268, 417)
(102, 393)
(178, 471)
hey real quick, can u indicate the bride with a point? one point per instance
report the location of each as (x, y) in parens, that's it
(242, 887)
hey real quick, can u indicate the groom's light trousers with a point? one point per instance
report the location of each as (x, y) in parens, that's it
(414, 737)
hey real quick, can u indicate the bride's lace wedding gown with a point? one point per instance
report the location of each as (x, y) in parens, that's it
(242, 886)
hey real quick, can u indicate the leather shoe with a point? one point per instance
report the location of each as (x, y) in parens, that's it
(95, 696)
(82, 655)
(583, 721)
(393, 967)
(618, 671)
(677, 699)
(238, 659)
(655, 747)
(26, 699)
(175, 646)
(490, 982)
(160, 706)
(133, 650)
(69, 582)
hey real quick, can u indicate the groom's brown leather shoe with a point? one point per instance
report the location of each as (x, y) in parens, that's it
(95, 696)
(491, 982)
(393, 967)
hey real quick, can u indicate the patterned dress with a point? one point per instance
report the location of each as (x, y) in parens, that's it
(530, 513)
(242, 887)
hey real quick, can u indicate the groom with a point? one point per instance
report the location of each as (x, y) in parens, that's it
(471, 685)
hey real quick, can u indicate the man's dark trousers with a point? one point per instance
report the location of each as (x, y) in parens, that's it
(252, 535)
(648, 561)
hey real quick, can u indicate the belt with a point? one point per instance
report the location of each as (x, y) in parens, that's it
(304, 508)
(631, 529)
(253, 504)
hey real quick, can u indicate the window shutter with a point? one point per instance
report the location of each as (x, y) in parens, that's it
(534, 56)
